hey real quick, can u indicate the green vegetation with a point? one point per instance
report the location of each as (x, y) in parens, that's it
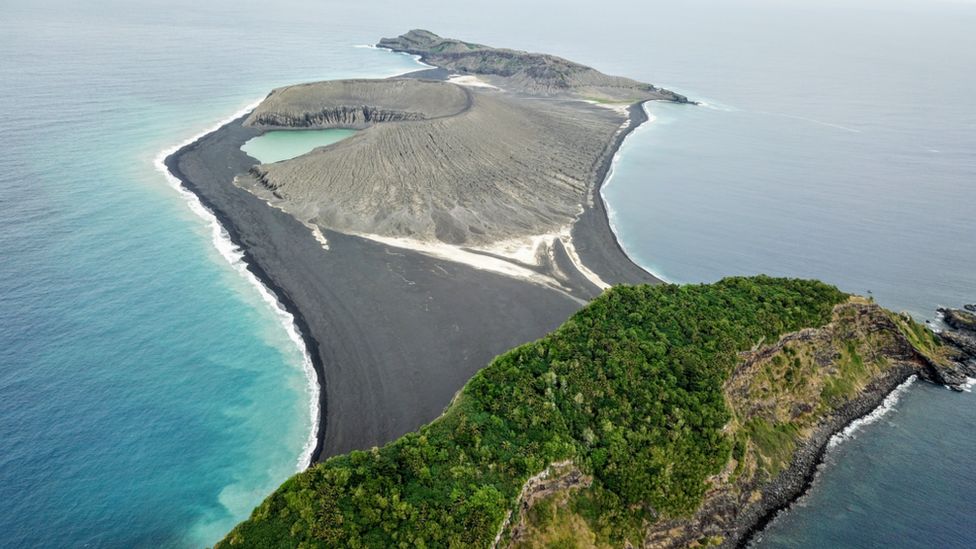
(780, 398)
(923, 339)
(774, 441)
(630, 389)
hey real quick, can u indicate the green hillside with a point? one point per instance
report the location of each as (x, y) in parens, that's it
(629, 389)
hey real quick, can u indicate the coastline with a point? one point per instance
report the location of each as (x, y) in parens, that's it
(228, 244)
(784, 492)
(594, 227)
(799, 478)
(541, 309)
(792, 485)
(234, 252)
(615, 267)
(648, 119)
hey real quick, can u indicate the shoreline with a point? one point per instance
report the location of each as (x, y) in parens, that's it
(638, 116)
(787, 490)
(540, 320)
(596, 215)
(797, 481)
(237, 257)
(626, 270)
(648, 119)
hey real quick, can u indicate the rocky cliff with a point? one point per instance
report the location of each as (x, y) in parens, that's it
(358, 104)
(788, 398)
(961, 334)
(534, 73)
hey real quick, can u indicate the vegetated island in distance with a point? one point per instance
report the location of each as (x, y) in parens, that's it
(465, 219)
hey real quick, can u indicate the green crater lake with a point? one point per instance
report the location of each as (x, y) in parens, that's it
(284, 144)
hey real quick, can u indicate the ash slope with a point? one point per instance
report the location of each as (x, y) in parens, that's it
(440, 162)
(500, 167)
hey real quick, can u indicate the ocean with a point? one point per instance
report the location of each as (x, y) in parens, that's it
(151, 394)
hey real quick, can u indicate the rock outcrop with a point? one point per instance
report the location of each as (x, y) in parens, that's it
(961, 335)
(966, 343)
(534, 73)
(959, 319)
(358, 104)
(788, 400)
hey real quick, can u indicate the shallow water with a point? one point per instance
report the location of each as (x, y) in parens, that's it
(150, 396)
(275, 146)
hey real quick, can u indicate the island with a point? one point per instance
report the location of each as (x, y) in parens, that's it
(657, 416)
(462, 220)
(494, 370)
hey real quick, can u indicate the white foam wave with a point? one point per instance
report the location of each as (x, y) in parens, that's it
(886, 406)
(611, 214)
(235, 257)
(968, 385)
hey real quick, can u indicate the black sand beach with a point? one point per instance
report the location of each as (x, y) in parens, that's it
(393, 334)
(594, 239)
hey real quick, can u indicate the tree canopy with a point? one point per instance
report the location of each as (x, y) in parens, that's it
(629, 389)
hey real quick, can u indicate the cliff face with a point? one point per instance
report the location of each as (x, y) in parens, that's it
(533, 73)
(358, 103)
(960, 319)
(962, 335)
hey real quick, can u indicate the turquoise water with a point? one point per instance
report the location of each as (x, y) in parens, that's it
(149, 394)
(282, 145)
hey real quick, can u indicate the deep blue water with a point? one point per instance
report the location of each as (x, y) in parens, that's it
(149, 395)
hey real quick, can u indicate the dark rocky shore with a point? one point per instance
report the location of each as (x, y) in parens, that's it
(796, 481)
(735, 512)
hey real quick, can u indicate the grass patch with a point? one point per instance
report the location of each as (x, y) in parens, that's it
(773, 442)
